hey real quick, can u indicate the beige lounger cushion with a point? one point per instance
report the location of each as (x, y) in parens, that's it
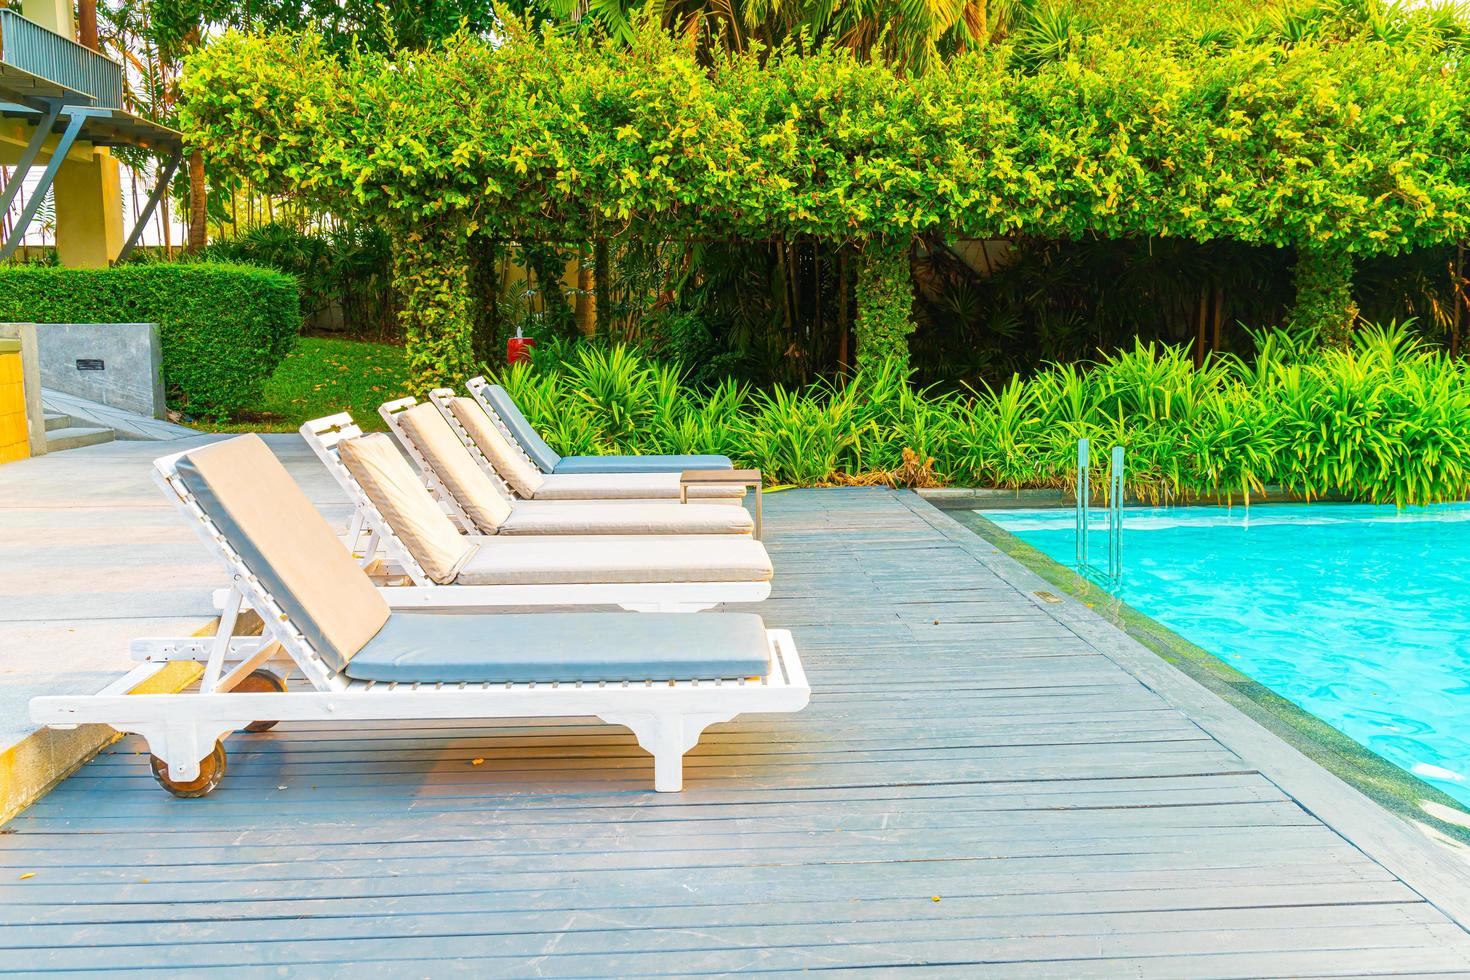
(456, 467)
(408, 507)
(631, 486)
(285, 542)
(569, 559)
(507, 459)
(577, 517)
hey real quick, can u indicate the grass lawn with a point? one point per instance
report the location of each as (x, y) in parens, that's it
(323, 376)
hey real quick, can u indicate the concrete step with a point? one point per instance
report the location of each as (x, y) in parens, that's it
(56, 420)
(76, 436)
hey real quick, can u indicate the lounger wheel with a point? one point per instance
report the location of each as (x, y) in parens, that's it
(211, 771)
(261, 682)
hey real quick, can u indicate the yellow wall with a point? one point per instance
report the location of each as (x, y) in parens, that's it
(14, 432)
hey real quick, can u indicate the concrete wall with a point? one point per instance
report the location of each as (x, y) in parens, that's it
(130, 375)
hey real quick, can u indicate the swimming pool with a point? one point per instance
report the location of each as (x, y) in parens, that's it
(1358, 614)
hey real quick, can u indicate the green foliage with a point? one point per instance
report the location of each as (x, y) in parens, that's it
(1357, 143)
(1384, 420)
(431, 272)
(1339, 128)
(684, 338)
(885, 304)
(1324, 307)
(349, 266)
(224, 328)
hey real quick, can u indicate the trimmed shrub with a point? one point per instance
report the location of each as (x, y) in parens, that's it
(224, 327)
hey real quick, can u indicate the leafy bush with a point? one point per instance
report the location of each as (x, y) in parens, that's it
(1384, 420)
(1347, 146)
(683, 337)
(349, 266)
(224, 328)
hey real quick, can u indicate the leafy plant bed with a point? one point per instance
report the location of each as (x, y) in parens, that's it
(1385, 421)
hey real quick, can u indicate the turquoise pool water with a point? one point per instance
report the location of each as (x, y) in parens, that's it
(1359, 614)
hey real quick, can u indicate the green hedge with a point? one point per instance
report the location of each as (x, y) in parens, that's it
(224, 327)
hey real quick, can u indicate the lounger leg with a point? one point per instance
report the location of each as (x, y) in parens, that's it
(183, 744)
(667, 737)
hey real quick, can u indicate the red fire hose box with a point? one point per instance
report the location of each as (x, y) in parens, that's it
(518, 349)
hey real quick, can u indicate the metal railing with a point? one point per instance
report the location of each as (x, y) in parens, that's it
(32, 48)
(1114, 572)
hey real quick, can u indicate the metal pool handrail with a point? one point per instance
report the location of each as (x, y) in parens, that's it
(1115, 513)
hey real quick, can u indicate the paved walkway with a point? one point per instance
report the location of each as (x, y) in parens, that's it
(127, 425)
(1076, 807)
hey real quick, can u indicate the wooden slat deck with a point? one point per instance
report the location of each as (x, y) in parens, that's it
(964, 741)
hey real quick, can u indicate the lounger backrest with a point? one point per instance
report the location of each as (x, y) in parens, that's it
(473, 489)
(508, 460)
(286, 544)
(541, 454)
(406, 504)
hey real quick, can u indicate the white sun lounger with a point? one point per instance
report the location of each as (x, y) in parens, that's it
(497, 402)
(499, 455)
(479, 495)
(658, 573)
(664, 677)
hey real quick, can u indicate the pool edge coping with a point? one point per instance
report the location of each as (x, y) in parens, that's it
(1385, 835)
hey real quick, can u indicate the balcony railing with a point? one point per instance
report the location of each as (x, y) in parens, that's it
(32, 48)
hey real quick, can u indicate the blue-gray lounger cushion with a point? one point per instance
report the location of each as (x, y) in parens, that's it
(243, 488)
(547, 460)
(640, 464)
(429, 648)
(541, 454)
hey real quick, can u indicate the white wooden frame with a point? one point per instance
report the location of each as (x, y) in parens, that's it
(391, 413)
(476, 387)
(441, 398)
(325, 434)
(667, 717)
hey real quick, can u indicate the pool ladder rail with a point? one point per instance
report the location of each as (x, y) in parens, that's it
(1113, 574)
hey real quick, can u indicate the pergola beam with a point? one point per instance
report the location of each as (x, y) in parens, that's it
(75, 117)
(28, 157)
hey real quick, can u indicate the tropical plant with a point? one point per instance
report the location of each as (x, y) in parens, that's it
(1385, 420)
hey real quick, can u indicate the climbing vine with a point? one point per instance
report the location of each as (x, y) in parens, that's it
(1324, 307)
(431, 270)
(885, 303)
(1355, 146)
